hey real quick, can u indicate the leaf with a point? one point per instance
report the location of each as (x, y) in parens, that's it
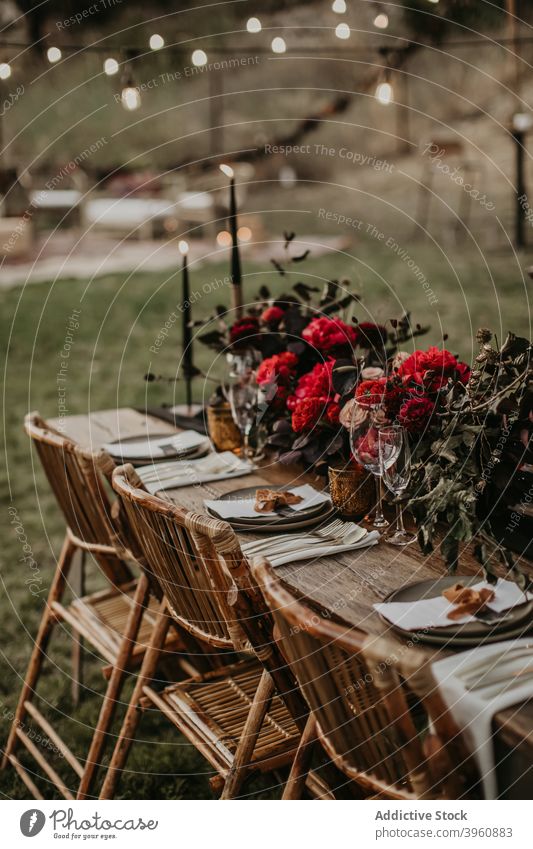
(288, 237)
(220, 310)
(290, 457)
(213, 337)
(279, 268)
(264, 293)
(303, 440)
(304, 291)
(344, 376)
(301, 257)
(329, 292)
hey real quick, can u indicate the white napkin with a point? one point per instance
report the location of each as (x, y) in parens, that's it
(473, 710)
(147, 449)
(432, 612)
(243, 508)
(190, 472)
(315, 551)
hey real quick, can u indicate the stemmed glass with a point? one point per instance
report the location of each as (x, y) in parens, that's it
(243, 397)
(395, 460)
(368, 416)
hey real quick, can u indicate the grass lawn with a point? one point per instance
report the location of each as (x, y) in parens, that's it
(119, 320)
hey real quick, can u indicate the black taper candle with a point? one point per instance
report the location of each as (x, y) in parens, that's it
(236, 274)
(187, 367)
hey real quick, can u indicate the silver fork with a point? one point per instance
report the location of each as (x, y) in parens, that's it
(333, 531)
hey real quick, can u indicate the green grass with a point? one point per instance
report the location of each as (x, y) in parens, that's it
(120, 319)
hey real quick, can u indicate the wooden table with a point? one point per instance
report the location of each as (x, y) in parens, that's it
(347, 584)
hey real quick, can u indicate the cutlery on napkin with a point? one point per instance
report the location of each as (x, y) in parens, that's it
(189, 472)
(433, 612)
(310, 546)
(478, 684)
(243, 508)
(160, 446)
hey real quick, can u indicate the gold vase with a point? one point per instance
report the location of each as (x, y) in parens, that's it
(352, 491)
(223, 431)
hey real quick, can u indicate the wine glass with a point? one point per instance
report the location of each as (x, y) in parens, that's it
(395, 460)
(368, 416)
(243, 396)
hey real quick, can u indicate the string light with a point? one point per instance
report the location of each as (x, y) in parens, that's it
(339, 6)
(342, 31)
(156, 41)
(111, 67)
(199, 58)
(130, 96)
(53, 54)
(183, 247)
(253, 25)
(384, 93)
(244, 234)
(381, 21)
(227, 170)
(224, 239)
(5, 71)
(278, 45)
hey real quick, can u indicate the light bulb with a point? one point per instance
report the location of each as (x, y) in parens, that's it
(111, 67)
(342, 31)
(278, 45)
(5, 71)
(53, 54)
(253, 25)
(384, 93)
(199, 58)
(183, 247)
(224, 239)
(130, 98)
(156, 41)
(339, 6)
(227, 170)
(381, 21)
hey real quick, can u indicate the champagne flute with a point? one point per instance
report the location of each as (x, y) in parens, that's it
(395, 460)
(243, 395)
(368, 416)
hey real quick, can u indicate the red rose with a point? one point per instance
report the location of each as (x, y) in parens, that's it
(317, 383)
(326, 334)
(277, 369)
(307, 413)
(332, 413)
(272, 316)
(440, 362)
(415, 414)
(371, 391)
(243, 329)
(371, 335)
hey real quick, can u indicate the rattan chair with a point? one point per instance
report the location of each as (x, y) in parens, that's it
(360, 689)
(232, 715)
(117, 622)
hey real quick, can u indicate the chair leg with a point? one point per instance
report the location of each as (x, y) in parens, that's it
(133, 714)
(114, 687)
(302, 762)
(252, 727)
(38, 654)
(77, 582)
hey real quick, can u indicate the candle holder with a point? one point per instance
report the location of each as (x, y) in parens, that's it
(223, 431)
(351, 490)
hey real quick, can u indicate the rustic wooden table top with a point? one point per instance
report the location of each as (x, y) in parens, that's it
(347, 584)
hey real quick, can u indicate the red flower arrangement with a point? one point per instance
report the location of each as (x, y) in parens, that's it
(280, 369)
(314, 399)
(433, 367)
(328, 334)
(415, 414)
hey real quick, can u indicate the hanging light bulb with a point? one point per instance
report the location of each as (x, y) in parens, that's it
(339, 6)
(111, 67)
(244, 234)
(342, 31)
(156, 41)
(5, 70)
(130, 96)
(224, 239)
(253, 25)
(278, 45)
(384, 93)
(53, 54)
(199, 58)
(381, 21)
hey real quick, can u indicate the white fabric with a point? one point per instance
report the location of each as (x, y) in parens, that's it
(432, 612)
(148, 449)
(190, 472)
(290, 553)
(243, 508)
(473, 709)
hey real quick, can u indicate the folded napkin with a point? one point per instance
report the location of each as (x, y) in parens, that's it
(161, 446)
(190, 472)
(473, 706)
(243, 508)
(432, 612)
(304, 549)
